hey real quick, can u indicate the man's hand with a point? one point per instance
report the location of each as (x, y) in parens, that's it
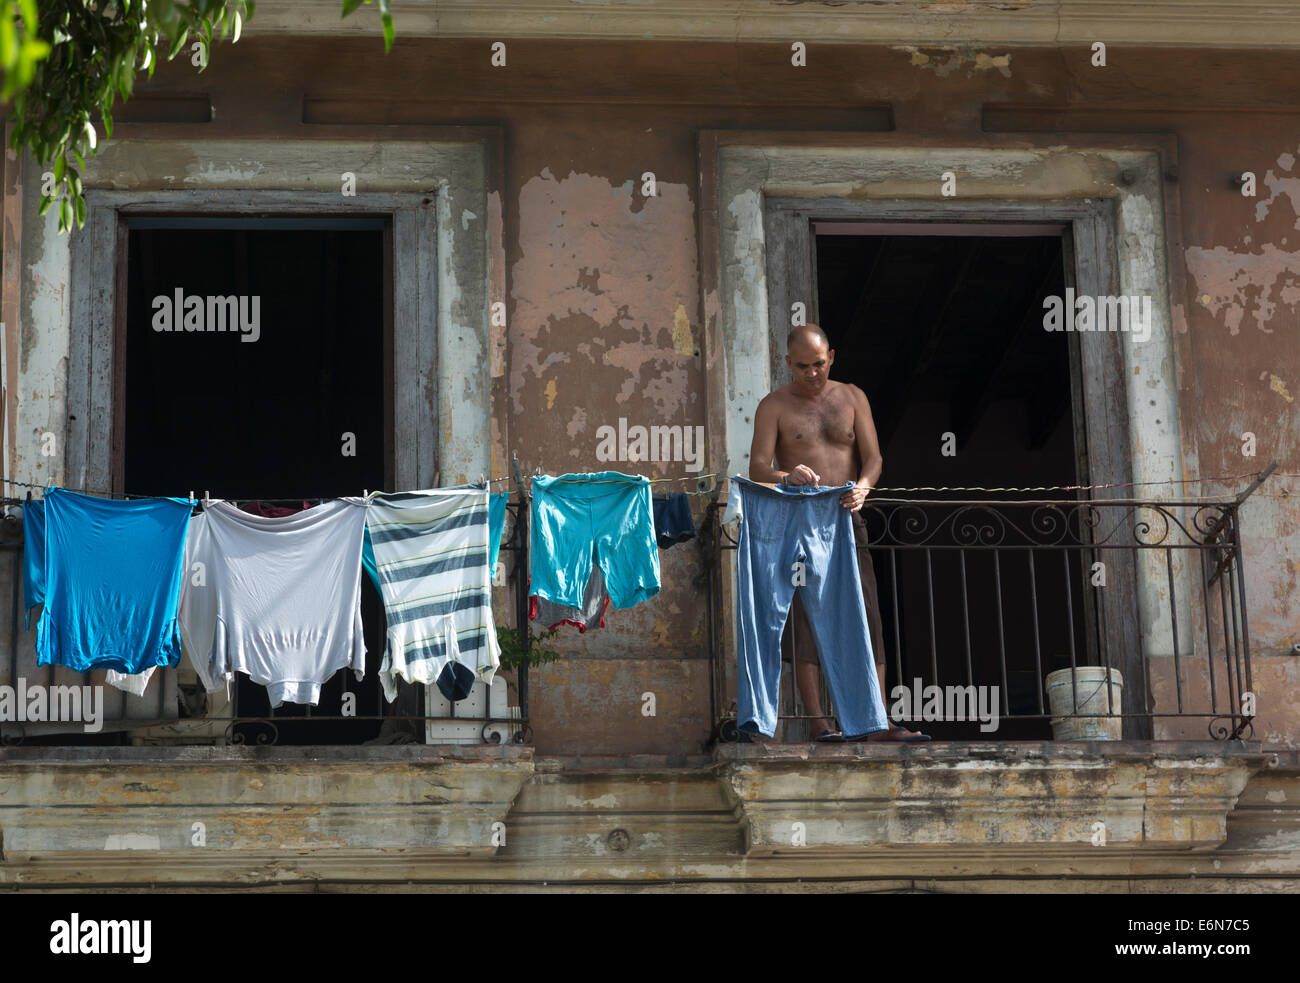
(854, 498)
(803, 475)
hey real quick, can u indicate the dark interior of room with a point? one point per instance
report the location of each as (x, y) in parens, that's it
(264, 420)
(944, 334)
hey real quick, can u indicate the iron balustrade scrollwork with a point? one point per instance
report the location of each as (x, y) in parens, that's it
(972, 589)
(261, 737)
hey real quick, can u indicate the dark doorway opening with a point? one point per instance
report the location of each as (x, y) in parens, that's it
(266, 419)
(944, 334)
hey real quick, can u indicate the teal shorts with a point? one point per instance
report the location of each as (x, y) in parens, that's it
(573, 513)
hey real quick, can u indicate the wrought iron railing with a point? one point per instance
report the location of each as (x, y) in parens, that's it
(998, 594)
(407, 720)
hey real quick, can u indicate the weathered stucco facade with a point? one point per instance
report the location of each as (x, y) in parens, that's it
(566, 297)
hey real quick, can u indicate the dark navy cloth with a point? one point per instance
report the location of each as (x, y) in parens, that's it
(673, 522)
(455, 681)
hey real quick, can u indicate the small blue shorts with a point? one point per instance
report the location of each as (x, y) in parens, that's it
(673, 521)
(609, 509)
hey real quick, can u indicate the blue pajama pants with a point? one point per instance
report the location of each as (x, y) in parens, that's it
(805, 525)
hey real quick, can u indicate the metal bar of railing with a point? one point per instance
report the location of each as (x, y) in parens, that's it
(1069, 610)
(1173, 612)
(1103, 645)
(1209, 631)
(1002, 631)
(965, 611)
(955, 650)
(1241, 583)
(898, 634)
(522, 567)
(711, 567)
(13, 633)
(1038, 648)
(1229, 649)
(934, 631)
(1232, 578)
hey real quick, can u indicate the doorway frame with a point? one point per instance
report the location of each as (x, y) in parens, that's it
(1112, 190)
(442, 188)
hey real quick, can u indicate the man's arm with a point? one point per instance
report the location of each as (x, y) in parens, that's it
(864, 428)
(763, 447)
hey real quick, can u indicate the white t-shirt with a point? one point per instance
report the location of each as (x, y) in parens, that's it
(198, 614)
(288, 596)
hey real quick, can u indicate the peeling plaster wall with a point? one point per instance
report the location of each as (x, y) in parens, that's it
(604, 326)
(606, 307)
(600, 294)
(45, 307)
(1240, 362)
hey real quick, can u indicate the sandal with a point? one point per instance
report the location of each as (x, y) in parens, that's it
(829, 736)
(895, 734)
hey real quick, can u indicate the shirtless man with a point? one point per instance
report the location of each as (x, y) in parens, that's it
(821, 433)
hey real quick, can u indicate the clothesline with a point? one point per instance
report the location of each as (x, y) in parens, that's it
(319, 499)
(430, 554)
(696, 478)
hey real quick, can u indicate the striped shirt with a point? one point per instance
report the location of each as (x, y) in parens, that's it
(431, 550)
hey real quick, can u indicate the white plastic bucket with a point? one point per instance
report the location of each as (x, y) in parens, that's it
(1090, 724)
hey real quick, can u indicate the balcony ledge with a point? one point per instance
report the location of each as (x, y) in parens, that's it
(1130, 796)
(434, 798)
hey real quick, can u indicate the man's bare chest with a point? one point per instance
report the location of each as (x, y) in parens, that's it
(820, 426)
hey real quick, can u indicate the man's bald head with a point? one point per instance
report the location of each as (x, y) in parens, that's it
(809, 356)
(807, 334)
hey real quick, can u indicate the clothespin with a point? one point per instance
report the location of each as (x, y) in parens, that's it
(205, 498)
(519, 477)
(365, 492)
(192, 495)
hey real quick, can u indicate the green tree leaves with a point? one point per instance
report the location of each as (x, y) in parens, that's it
(67, 63)
(21, 49)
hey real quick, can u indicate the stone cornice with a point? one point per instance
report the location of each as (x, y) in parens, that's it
(1229, 23)
(440, 800)
(1126, 797)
